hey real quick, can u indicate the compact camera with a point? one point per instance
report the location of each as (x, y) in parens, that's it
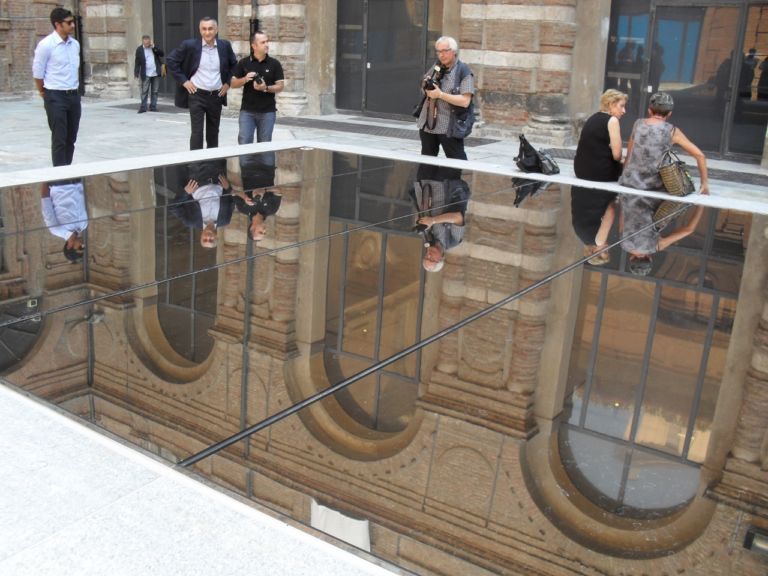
(258, 78)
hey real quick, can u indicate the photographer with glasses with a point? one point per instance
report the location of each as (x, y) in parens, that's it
(447, 115)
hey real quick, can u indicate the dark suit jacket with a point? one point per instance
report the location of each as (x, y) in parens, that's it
(140, 64)
(184, 61)
(188, 210)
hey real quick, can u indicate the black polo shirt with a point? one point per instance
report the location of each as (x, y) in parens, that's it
(271, 70)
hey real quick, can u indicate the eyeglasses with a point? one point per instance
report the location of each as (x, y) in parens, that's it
(443, 51)
(70, 22)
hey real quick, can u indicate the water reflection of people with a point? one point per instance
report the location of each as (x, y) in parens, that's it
(746, 76)
(598, 158)
(762, 83)
(205, 203)
(441, 197)
(64, 213)
(657, 66)
(256, 200)
(651, 138)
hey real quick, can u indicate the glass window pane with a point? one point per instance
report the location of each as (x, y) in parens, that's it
(714, 375)
(647, 473)
(361, 292)
(402, 287)
(623, 335)
(582, 344)
(678, 342)
(692, 54)
(750, 116)
(595, 465)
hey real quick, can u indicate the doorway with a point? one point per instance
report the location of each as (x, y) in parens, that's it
(708, 55)
(175, 21)
(383, 49)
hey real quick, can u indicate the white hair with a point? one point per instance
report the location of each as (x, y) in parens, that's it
(452, 44)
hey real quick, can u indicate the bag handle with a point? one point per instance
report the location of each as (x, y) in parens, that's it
(669, 157)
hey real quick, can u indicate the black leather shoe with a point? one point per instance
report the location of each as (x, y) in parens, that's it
(141, 111)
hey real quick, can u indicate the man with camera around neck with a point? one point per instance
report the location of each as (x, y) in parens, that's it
(261, 77)
(449, 88)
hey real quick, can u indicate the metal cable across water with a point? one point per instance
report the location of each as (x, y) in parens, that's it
(246, 432)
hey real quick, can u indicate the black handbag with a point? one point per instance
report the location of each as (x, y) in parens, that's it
(529, 159)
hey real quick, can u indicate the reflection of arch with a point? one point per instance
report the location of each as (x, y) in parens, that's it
(328, 420)
(16, 340)
(153, 247)
(662, 392)
(587, 523)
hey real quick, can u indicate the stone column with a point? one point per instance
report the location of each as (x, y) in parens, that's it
(521, 56)
(104, 42)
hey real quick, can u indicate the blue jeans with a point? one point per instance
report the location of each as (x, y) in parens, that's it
(263, 123)
(149, 85)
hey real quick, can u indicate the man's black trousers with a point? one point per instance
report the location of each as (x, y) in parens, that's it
(62, 107)
(204, 107)
(430, 145)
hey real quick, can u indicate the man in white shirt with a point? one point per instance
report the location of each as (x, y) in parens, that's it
(147, 67)
(56, 70)
(203, 70)
(64, 213)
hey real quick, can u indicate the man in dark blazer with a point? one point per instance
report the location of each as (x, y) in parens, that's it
(206, 202)
(203, 70)
(148, 67)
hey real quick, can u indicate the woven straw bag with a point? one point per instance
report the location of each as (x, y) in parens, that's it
(666, 208)
(675, 176)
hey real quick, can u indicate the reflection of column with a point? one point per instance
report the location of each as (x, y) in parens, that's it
(110, 239)
(743, 393)
(488, 372)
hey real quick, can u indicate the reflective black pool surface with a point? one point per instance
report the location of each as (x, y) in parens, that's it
(592, 425)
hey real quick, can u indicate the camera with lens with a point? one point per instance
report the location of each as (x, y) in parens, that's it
(258, 78)
(433, 80)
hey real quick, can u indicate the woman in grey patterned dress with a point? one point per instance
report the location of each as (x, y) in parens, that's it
(651, 137)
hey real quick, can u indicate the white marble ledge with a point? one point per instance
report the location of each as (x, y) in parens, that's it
(74, 501)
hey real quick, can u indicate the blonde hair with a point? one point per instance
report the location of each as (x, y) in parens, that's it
(610, 97)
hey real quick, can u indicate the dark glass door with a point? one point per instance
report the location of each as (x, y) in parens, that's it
(700, 54)
(750, 86)
(175, 21)
(381, 52)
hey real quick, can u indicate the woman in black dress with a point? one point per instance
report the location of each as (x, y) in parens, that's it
(598, 157)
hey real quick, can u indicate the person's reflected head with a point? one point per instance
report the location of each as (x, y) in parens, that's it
(146, 41)
(661, 103)
(208, 237)
(752, 51)
(613, 102)
(257, 228)
(640, 264)
(434, 258)
(74, 247)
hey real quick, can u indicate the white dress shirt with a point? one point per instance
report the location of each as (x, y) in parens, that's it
(149, 57)
(64, 210)
(57, 62)
(209, 197)
(208, 75)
